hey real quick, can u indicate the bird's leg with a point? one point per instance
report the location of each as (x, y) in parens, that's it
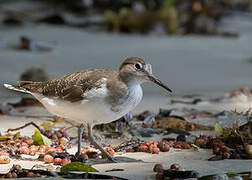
(98, 146)
(80, 132)
(128, 117)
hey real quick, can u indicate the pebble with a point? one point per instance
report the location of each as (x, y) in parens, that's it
(4, 160)
(158, 167)
(48, 158)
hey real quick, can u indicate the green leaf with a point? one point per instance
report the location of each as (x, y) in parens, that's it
(218, 129)
(232, 175)
(77, 166)
(40, 139)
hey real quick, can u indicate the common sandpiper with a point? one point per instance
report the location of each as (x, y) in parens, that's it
(93, 96)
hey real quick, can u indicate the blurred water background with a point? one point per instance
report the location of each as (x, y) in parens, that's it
(191, 64)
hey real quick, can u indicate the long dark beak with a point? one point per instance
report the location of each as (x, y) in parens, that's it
(158, 82)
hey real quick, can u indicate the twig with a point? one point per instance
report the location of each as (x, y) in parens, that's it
(73, 126)
(24, 126)
(114, 169)
(30, 116)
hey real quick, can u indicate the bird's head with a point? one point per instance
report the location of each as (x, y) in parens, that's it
(135, 70)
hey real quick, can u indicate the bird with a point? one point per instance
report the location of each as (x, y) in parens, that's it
(93, 96)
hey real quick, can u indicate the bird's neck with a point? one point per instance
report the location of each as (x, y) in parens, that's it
(129, 80)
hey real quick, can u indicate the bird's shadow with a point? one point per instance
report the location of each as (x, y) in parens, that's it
(118, 159)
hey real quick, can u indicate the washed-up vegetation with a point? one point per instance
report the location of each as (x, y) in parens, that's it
(158, 16)
(49, 144)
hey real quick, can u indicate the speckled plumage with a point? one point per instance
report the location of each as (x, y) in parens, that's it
(73, 87)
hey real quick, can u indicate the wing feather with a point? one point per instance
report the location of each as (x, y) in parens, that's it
(75, 86)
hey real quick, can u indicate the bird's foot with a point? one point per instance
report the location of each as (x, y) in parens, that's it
(128, 117)
(79, 157)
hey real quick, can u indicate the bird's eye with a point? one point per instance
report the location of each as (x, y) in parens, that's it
(138, 66)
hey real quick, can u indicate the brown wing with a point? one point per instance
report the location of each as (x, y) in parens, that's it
(70, 87)
(72, 94)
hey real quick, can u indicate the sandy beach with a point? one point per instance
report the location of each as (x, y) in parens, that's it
(204, 67)
(189, 159)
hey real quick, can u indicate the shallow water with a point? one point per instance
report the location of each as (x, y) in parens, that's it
(189, 64)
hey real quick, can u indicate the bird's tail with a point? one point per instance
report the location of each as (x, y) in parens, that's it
(17, 88)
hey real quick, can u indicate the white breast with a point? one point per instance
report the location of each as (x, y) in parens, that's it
(134, 98)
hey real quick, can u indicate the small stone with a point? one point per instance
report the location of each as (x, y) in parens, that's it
(158, 167)
(92, 154)
(200, 142)
(14, 175)
(110, 151)
(28, 141)
(57, 161)
(155, 150)
(24, 144)
(65, 161)
(190, 127)
(216, 150)
(152, 146)
(248, 149)
(63, 140)
(132, 150)
(42, 151)
(164, 147)
(249, 156)
(185, 145)
(24, 149)
(226, 155)
(50, 149)
(62, 131)
(84, 156)
(30, 174)
(25, 172)
(8, 175)
(54, 137)
(160, 176)
(58, 150)
(16, 167)
(177, 146)
(143, 148)
(235, 156)
(175, 166)
(170, 143)
(181, 137)
(38, 175)
(4, 154)
(4, 160)
(43, 147)
(48, 158)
